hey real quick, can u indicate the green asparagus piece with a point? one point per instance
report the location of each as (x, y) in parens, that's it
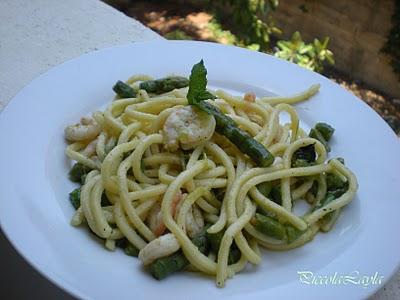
(314, 133)
(234, 255)
(307, 153)
(304, 156)
(292, 233)
(300, 163)
(166, 266)
(334, 182)
(78, 172)
(124, 90)
(200, 240)
(275, 195)
(219, 193)
(121, 243)
(335, 188)
(264, 212)
(325, 129)
(164, 85)
(339, 192)
(314, 188)
(269, 226)
(104, 200)
(185, 154)
(214, 240)
(142, 165)
(271, 191)
(329, 197)
(83, 178)
(224, 124)
(265, 188)
(327, 218)
(131, 250)
(240, 138)
(128, 248)
(75, 198)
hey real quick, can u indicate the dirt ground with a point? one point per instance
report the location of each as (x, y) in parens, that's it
(175, 21)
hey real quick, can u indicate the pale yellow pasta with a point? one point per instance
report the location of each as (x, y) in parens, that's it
(158, 195)
(292, 99)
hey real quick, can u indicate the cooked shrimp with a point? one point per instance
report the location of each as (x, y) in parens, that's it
(155, 220)
(90, 149)
(160, 247)
(187, 127)
(194, 222)
(198, 216)
(156, 223)
(249, 97)
(87, 129)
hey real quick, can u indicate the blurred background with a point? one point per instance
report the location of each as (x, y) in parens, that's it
(354, 43)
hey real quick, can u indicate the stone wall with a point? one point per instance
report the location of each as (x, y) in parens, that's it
(358, 30)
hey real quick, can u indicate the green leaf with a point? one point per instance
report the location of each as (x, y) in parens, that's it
(311, 56)
(317, 44)
(198, 84)
(296, 37)
(325, 43)
(305, 49)
(274, 4)
(329, 57)
(254, 47)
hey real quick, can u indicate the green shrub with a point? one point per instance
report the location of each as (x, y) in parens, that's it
(252, 22)
(222, 34)
(254, 28)
(311, 56)
(251, 26)
(177, 35)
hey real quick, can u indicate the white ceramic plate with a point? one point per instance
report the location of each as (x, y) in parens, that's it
(35, 211)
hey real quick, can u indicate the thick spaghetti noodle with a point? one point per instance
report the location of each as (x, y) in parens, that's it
(159, 178)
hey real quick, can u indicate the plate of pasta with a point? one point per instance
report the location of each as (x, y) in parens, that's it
(191, 169)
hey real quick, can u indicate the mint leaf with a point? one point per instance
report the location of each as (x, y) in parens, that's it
(198, 84)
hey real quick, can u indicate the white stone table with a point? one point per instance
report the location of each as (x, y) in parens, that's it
(36, 35)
